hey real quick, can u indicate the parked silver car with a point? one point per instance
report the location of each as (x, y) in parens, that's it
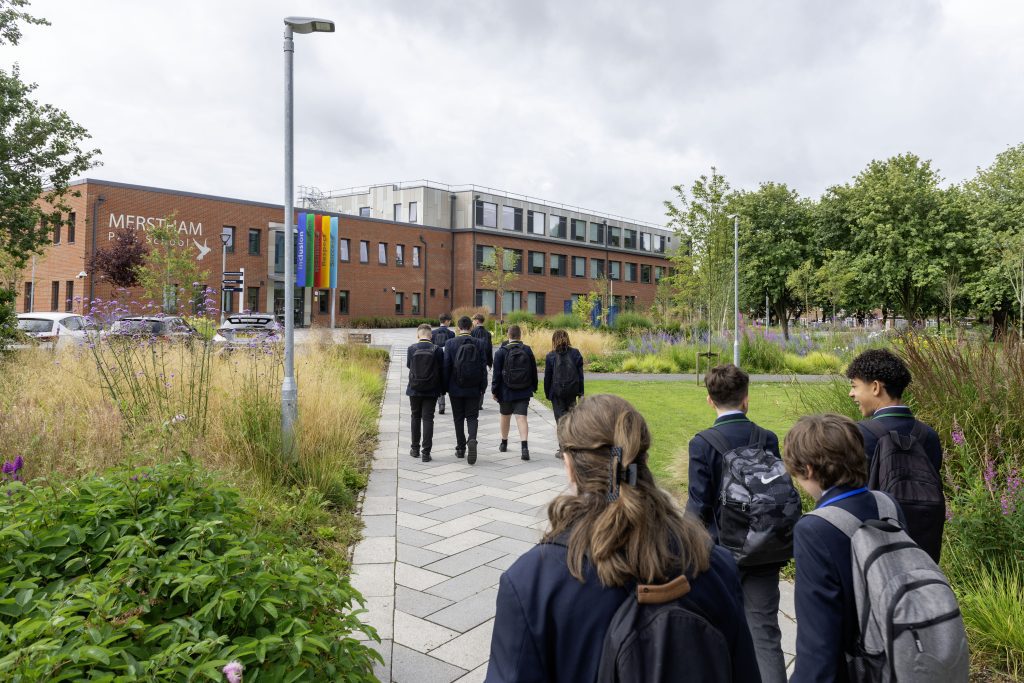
(52, 329)
(244, 329)
(166, 326)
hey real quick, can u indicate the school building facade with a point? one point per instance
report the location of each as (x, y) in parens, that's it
(413, 250)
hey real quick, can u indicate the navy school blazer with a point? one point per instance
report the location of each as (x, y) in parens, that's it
(902, 420)
(498, 388)
(549, 369)
(438, 358)
(450, 349)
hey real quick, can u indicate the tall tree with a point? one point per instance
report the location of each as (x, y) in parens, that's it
(804, 283)
(834, 277)
(774, 241)
(120, 262)
(169, 272)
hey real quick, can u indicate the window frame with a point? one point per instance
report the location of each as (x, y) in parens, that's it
(558, 226)
(599, 272)
(71, 227)
(563, 260)
(531, 222)
(364, 251)
(229, 248)
(517, 218)
(399, 303)
(259, 241)
(344, 250)
(599, 228)
(400, 255)
(414, 212)
(382, 253)
(532, 268)
(582, 225)
(480, 214)
(416, 256)
(343, 303)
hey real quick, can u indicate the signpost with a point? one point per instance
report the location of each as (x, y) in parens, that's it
(234, 281)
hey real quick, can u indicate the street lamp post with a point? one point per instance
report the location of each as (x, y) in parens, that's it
(736, 288)
(289, 389)
(225, 237)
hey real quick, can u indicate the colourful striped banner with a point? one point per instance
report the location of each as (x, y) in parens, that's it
(335, 257)
(309, 250)
(318, 244)
(325, 253)
(300, 253)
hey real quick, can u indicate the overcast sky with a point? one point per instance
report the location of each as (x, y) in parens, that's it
(605, 105)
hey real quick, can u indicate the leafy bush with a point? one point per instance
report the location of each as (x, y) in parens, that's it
(993, 612)
(648, 364)
(684, 358)
(522, 318)
(814, 363)
(758, 354)
(387, 322)
(628, 320)
(469, 312)
(565, 321)
(158, 575)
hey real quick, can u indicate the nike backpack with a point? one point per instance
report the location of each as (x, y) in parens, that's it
(911, 630)
(758, 505)
(469, 373)
(565, 382)
(423, 370)
(515, 374)
(900, 467)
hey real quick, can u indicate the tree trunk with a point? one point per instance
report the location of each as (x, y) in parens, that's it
(999, 320)
(783, 316)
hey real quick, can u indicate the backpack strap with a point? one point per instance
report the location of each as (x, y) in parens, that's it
(875, 427)
(759, 437)
(716, 440)
(918, 431)
(886, 507)
(845, 521)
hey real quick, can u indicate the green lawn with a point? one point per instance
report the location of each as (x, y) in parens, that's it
(675, 411)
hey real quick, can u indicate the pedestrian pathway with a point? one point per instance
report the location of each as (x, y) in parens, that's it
(438, 536)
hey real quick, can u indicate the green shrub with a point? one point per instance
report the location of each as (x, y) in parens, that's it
(386, 322)
(814, 363)
(522, 318)
(629, 320)
(683, 357)
(993, 612)
(648, 364)
(758, 354)
(158, 575)
(565, 321)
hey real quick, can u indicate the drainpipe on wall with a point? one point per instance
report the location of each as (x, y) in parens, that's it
(451, 268)
(424, 264)
(95, 226)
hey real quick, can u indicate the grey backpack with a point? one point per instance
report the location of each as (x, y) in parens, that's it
(910, 623)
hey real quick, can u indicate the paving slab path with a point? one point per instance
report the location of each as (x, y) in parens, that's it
(438, 535)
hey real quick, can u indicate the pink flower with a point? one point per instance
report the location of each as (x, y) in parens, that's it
(233, 671)
(958, 434)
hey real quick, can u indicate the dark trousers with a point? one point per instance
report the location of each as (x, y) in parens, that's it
(440, 403)
(422, 408)
(561, 406)
(465, 412)
(761, 605)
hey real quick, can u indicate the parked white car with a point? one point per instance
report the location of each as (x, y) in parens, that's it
(242, 329)
(52, 329)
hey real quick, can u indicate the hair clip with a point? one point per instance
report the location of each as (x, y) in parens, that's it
(614, 469)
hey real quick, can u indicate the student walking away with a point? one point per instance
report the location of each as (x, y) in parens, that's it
(624, 586)
(904, 454)
(481, 333)
(870, 604)
(440, 337)
(740, 490)
(425, 362)
(465, 377)
(514, 382)
(563, 376)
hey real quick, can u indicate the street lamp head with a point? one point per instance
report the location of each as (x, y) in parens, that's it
(225, 237)
(309, 25)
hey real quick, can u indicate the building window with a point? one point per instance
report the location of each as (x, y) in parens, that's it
(343, 302)
(485, 297)
(629, 303)
(645, 241)
(397, 215)
(364, 251)
(69, 292)
(323, 301)
(615, 270)
(614, 237)
(343, 248)
(364, 212)
(445, 293)
(486, 214)
(597, 233)
(55, 295)
(645, 274)
(254, 242)
(630, 240)
(56, 231)
(484, 257)
(382, 253)
(512, 218)
(230, 246)
(558, 265)
(415, 257)
(513, 260)
(579, 266)
(413, 212)
(659, 272)
(557, 226)
(535, 302)
(399, 303)
(278, 252)
(252, 299)
(596, 268)
(512, 301)
(630, 272)
(28, 297)
(71, 228)
(399, 255)
(415, 303)
(659, 244)
(579, 230)
(536, 263)
(535, 222)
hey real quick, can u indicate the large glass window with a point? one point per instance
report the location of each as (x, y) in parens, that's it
(630, 272)
(579, 230)
(343, 248)
(364, 212)
(278, 252)
(343, 302)
(415, 303)
(486, 214)
(415, 257)
(596, 268)
(535, 302)
(484, 256)
(645, 241)
(615, 270)
(512, 301)
(536, 266)
(513, 260)
(364, 251)
(535, 222)
(630, 241)
(512, 218)
(558, 265)
(399, 255)
(614, 236)
(230, 230)
(659, 272)
(596, 233)
(69, 295)
(659, 244)
(71, 228)
(397, 215)
(414, 214)
(557, 226)
(645, 274)
(382, 253)
(485, 297)
(579, 266)
(399, 303)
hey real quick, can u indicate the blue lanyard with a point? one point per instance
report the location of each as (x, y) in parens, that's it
(855, 492)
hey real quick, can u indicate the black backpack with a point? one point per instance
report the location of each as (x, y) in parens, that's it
(516, 374)
(758, 506)
(469, 373)
(440, 337)
(901, 468)
(565, 382)
(423, 370)
(657, 636)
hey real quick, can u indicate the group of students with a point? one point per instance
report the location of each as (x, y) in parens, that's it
(458, 363)
(627, 585)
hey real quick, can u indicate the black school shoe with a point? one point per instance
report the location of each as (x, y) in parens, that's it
(425, 457)
(503, 446)
(460, 452)
(471, 458)
(414, 451)
(526, 453)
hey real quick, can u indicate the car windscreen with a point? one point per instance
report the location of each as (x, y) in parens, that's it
(35, 325)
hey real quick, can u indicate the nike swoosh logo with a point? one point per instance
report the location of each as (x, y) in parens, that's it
(769, 479)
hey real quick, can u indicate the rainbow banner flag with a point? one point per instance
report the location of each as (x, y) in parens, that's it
(335, 244)
(324, 281)
(300, 253)
(318, 244)
(310, 245)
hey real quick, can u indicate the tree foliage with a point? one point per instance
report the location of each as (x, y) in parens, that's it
(120, 262)
(169, 272)
(500, 279)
